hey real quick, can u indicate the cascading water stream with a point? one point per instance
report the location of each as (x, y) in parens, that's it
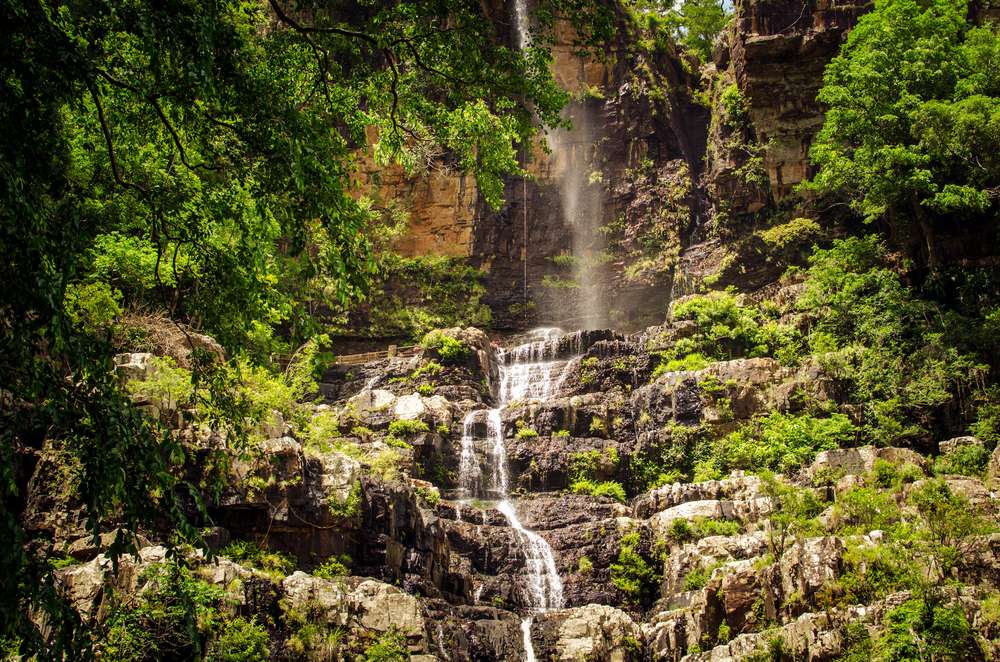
(529, 371)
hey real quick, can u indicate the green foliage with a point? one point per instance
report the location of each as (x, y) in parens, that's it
(92, 306)
(524, 431)
(964, 460)
(173, 614)
(864, 509)
(390, 647)
(682, 530)
(947, 518)
(584, 565)
(430, 495)
(794, 513)
(925, 627)
(166, 385)
(912, 110)
(450, 350)
(783, 442)
(605, 488)
(987, 423)
(276, 564)
(872, 572)
(631, 573)
(726, 329)
(347, 508)
(333, 567)
(696, 23)
(240, 641)
(891, 347)
(411, 296)
(795, 231)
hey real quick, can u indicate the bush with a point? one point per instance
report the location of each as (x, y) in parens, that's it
(873, 572)
(403, 429)
(892, 353)
(239, 641)
(93, 306)
(276, 564)
(682, 530)
(348, 507)
(390, 647)
(166, 385)
(449, 349)
(524, 431)
(924, 628)
(964, 460)
(607, 488)
(783, 442)
(171, 615)
(864, 509)
(333, 567)
(631, 573)
(725, 329)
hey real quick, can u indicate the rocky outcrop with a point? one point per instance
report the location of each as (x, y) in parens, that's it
(778, 51)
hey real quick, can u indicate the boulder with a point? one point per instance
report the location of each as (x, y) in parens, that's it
(380, 607)
(861, 460)
(951, 445)
(592, 632)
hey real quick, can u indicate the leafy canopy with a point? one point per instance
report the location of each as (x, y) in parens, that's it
(913, 125)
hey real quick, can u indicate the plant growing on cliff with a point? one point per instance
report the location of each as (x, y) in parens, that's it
(783, 442)
(910, 129)
(631, 573)
(449, 349)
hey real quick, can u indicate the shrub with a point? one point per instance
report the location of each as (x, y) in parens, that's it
(449, 349)
(430, 495)
(783, 442)
(964, 460)
(696, 579)
(390, 647)
(166, 385)
(682, 530)
(873, 572)
(584, 565)
(796, 231)
(893, 353)
(926, 628)
(93, 306)
(347, 508)
(631, 573)
(333, 567)
(864, 509)
(239, 641)
(725, 329)
(276, 564)
(402, 429)
(606, 488)
(524, 431)
(172, 614)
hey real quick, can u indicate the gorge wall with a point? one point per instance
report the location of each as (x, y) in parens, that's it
(672, 175)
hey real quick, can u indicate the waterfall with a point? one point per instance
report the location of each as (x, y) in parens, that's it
(533, 370)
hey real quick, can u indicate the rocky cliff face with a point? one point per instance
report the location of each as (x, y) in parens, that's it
(699, 570)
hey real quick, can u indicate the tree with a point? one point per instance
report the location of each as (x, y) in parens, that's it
(698, 23)
(912, 132)
(167, 154)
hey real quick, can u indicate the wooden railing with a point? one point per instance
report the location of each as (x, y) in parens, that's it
(358, 359)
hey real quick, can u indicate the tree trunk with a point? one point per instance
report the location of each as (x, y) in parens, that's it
(927, 229)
